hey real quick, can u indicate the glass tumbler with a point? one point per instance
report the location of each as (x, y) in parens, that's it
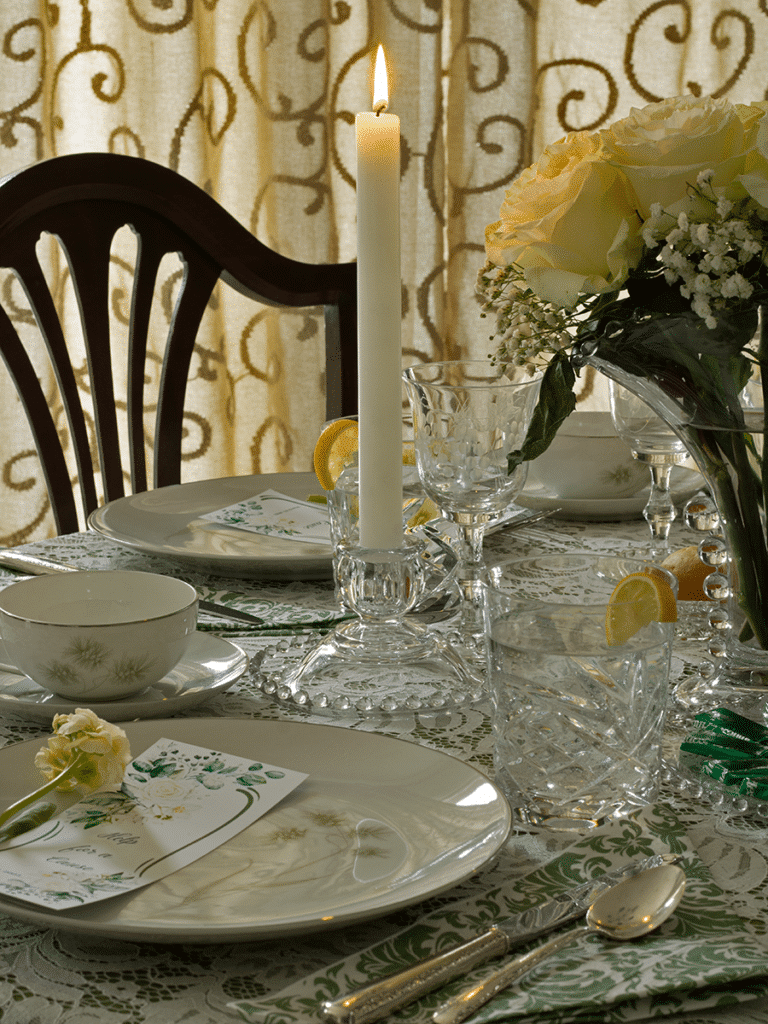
(578, 720)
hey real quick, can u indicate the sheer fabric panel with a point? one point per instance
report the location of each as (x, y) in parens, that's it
(255, 101)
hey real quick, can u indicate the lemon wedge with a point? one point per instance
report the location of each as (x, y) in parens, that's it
(334, 449)
(640, 598)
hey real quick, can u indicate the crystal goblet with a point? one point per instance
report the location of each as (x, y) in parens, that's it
(654, 442)
(468, 415)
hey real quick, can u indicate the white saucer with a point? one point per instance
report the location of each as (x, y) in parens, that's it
(210, 666)
(684, 484)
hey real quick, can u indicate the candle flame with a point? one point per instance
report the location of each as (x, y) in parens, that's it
(380, 85)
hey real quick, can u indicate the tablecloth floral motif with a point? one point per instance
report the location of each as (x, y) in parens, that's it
(62, 978)
(703, 956)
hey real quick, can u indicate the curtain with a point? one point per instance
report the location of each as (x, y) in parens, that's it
(254, 100)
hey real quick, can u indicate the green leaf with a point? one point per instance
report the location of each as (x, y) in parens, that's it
(556, 402)
(702, 370)
(39, 814)
(251, 780)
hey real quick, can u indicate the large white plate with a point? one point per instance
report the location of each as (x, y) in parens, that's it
(379, 824)
(210, 665)
(684, 484)
(166, 522)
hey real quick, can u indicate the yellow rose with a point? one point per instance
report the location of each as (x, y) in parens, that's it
(755, 177)
(569, 221)
(662, 149)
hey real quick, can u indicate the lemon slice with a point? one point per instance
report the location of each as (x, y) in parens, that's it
(334, 448)
(640, 598)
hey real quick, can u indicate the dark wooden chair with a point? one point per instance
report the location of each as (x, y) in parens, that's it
(83, 200)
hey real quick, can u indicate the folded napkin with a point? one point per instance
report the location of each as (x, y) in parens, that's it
(703, 956)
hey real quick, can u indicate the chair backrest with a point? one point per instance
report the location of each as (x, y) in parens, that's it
(83, 200)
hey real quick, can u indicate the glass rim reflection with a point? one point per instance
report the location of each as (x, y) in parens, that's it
(478, 379)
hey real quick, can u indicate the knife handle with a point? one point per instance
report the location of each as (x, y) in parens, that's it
(458, 1008)
(33, 565)
(380, 998)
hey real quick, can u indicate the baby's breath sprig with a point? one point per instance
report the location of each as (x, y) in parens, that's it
(529, 330)
(715, 256)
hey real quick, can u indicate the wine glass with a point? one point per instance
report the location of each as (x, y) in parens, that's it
(654, 442)
(468, 415)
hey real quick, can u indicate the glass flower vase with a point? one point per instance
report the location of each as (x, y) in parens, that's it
(734, 545)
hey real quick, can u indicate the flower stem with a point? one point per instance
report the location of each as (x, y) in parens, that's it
(762, 360)
(30, 798)
(736, 489)
(751, 559)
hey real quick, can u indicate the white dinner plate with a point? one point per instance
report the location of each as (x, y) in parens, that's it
(379, 824)
(684, 484)
(166, 522)
(209, 666)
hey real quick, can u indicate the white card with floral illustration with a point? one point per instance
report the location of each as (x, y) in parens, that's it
(176, 803)
(277, 515)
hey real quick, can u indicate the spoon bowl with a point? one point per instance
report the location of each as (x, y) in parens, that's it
(627, 910)
(637, 905)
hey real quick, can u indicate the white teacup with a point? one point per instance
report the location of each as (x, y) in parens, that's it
(97, 635)
(587, 461)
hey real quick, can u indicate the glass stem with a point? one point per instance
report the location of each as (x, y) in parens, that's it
(659, 512)
(472, 545)
(472, 575)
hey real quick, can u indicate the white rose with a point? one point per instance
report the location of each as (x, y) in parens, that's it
(102, 751)
(569, 222)
(755, 176)
(165, 796)
(662, 149)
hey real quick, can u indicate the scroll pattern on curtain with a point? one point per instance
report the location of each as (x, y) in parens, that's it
(255, 100)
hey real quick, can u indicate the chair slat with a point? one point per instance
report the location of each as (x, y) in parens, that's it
(84, 199)
(44, 432)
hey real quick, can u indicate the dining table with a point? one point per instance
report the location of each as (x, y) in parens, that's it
(54, 975)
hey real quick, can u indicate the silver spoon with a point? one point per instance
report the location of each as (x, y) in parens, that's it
(627, 910)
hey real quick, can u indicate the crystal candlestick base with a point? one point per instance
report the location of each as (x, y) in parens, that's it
(380, 663)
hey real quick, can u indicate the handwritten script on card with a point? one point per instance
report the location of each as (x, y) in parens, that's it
(177, 802)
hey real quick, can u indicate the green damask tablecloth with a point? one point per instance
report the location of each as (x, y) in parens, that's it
(703, 957)
(59, 978)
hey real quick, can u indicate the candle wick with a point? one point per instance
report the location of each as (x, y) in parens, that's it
(380, 107)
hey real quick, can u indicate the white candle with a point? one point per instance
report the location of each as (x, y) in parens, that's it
(380, 449)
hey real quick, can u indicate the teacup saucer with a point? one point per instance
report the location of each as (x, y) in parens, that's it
(210, 666)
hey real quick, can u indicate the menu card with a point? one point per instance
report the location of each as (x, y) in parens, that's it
(276, 515)
(177, 802)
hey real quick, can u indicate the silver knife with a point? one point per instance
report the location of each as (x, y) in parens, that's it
(376, 1000)
(38, 565)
